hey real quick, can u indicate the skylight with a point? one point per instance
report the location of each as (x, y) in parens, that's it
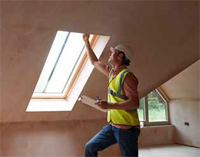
(66, 51)
(65, 72)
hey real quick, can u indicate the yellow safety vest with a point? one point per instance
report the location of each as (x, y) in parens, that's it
(116, 94)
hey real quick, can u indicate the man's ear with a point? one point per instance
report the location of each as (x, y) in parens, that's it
(120, 56)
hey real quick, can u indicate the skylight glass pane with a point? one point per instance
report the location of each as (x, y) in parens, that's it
(65, 53)
(67, 61)
(59, 41)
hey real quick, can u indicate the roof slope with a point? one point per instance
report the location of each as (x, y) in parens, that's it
(165, 37)
(185, 85)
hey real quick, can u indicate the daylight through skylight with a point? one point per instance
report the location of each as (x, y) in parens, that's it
(65, 52)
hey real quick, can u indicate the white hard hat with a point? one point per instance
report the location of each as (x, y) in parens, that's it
(126, 48)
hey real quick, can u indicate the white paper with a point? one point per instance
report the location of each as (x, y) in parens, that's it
(91, 102)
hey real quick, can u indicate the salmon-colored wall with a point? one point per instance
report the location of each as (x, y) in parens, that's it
(49, 138)
(184, 94)
(66, 138)
(156, 135)
(186, 111)
(164, 36)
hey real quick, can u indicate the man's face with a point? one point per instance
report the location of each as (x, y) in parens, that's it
(113, 56)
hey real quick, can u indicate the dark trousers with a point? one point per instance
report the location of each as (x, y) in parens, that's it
(109, 135)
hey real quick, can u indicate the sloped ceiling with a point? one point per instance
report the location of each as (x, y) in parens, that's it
(185, 85)
(164, 35)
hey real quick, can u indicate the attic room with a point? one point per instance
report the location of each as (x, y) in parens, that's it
(164, 36)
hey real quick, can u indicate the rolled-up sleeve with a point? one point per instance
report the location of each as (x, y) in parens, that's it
(130, 85)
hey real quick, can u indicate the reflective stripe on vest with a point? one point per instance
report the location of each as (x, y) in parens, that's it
(116, 94)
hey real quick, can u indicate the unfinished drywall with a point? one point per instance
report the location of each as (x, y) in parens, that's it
(185, 85)
(164, 36)
(156, 135)
(67, 138)
(49, 139)
(182, 111)
(184, 92)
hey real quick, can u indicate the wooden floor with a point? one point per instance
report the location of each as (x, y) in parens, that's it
(169, 151)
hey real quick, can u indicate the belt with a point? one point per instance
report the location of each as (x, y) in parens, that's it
(119, 126)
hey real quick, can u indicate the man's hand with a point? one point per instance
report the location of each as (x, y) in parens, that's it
(86, 37)
(103, 104)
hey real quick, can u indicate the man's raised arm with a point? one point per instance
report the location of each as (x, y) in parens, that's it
(97, 64)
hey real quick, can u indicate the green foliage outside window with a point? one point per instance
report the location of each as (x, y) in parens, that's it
(140, 110)
(156, 107)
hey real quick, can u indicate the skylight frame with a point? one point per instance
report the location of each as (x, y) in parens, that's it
(72, 78)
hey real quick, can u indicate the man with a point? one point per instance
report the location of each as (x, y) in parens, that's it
(123, 101)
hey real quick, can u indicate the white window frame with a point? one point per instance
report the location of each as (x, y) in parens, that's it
(67, 102)
(146, 121)
(72, 79)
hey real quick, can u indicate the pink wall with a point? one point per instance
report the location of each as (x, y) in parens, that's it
(66, 138)
(49, 138)
(186, 111)
(28, 30)
(156, 135)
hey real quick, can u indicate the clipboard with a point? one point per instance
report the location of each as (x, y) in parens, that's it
(91, 102)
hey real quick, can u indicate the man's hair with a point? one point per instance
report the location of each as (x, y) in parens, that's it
(125, 61)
